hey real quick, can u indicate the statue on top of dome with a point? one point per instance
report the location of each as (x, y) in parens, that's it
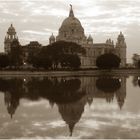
(71, 14)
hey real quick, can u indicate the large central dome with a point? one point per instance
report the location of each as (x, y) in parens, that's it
(71, 29)
(71, 21)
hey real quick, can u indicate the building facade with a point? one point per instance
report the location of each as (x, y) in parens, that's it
(71, 30)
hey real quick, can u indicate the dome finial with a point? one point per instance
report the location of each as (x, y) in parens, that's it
(71, 14)
(11, 25)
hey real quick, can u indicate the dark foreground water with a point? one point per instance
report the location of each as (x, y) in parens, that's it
(70, 107)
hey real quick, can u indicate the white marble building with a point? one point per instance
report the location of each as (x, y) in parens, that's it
(71, 30)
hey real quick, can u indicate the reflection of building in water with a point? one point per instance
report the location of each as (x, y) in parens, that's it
(72, 112)
(88, 84)
(121, 93)
(136, 80)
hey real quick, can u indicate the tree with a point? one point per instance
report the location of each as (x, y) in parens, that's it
(4, 60)
(16, 55)
(61, 51)
(108, 60)
(138, 63)
(40, 60)
(74, 61)
(32, 53)
(70, 61)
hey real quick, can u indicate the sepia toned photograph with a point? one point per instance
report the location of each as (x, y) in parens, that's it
(69, 69)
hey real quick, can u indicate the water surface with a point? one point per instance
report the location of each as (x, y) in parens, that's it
(70, 107)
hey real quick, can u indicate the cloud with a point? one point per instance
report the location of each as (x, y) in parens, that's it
(98, 17)
(36, 104)
(34, 32)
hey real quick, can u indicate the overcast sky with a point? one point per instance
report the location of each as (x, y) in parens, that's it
(38, 19)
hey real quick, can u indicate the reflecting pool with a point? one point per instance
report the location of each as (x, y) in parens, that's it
(70, 107)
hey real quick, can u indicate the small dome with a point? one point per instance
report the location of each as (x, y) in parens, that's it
(90, 38)
(11, 29)
(121, 35)
(52, 37)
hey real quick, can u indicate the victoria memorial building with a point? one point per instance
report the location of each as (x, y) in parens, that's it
(71, 30)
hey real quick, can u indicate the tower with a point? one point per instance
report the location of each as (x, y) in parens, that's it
(10, 36)
(121, 49)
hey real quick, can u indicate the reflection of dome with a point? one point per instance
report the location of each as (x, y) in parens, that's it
(72, 112)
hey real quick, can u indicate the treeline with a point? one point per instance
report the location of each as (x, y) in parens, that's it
(60, 54)
(107, 61)
(57, 55)
(58, 90)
